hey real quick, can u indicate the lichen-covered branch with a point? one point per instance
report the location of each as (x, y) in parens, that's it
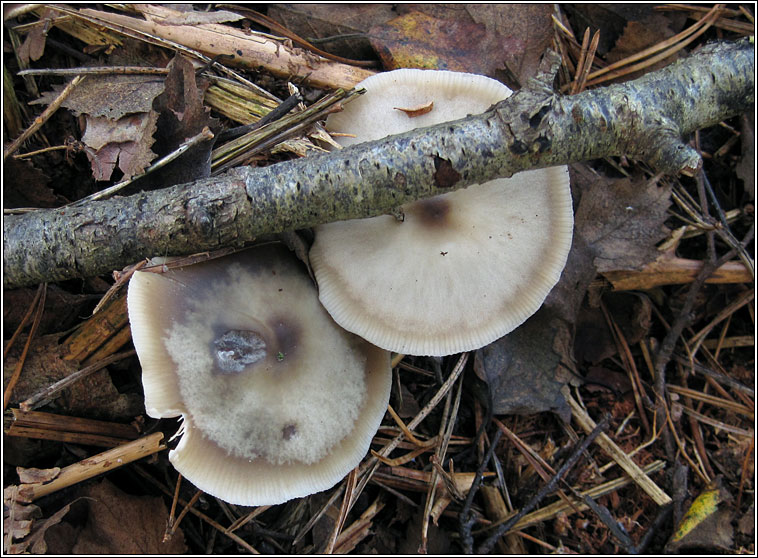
(645, 119)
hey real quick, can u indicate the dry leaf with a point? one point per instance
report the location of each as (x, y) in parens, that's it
(33, 46)
(182, 116)
(503, 41)
(707, 524)
(413, 112)
(622, 219)
(418, 40)
(112, 96)
(594, 341)
(520, 368)
(27, 475)
(119, 121)
(126, 141)
(318, 21)
(27, 186)
(119, 523)
(639, 35)
(94, 396)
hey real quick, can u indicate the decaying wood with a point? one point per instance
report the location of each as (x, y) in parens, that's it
(77, 430)
(96, 465)
(240, 48)
(672, 270)
(645, 119)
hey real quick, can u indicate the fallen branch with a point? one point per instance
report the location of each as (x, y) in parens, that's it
(645, 119)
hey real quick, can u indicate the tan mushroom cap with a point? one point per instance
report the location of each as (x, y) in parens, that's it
(462, 269)
(277, 401)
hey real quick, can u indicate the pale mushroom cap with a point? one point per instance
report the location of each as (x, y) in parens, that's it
(462, 269)
(278, 402)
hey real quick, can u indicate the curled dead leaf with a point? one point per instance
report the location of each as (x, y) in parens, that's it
(418, 110)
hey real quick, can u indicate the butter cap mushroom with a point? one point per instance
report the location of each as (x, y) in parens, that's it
(460, 270)
(277, 401)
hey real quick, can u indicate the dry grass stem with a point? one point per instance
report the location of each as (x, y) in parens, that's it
(729, 405)
(347, 502)
(697, 339)
(610, 447)
(551, 511)
(48, 426)
(98, 464)
(718, 424)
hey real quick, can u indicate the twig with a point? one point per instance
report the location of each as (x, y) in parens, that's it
(489, 543)
(94, 70)
(618, 455)
(172, 529)
(644, 123)
(466, 519)
(344, 509)
(24, 320)
(369, 466)
(236, 538)
(51, 390)
(42, 290)
(49, 426)
(616, 529)
(204, 135)
(279, 111)
(42, 118)
(654, 529)
(98, 464)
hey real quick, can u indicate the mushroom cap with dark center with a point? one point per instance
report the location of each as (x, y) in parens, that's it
(461, 269)
(278, 401)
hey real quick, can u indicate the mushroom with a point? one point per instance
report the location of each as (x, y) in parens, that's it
(277, 401)
(459, 270)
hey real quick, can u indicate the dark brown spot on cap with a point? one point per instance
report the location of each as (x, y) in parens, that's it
(432, 212)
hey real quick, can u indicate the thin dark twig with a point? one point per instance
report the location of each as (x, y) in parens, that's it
(24, 320)
(465, 518)
(616, 529)
(666, 348)
(42, 289)
(489, 543)
(662, 516)
(287, 105)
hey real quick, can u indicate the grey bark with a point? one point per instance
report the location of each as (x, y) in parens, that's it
(645, 119)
